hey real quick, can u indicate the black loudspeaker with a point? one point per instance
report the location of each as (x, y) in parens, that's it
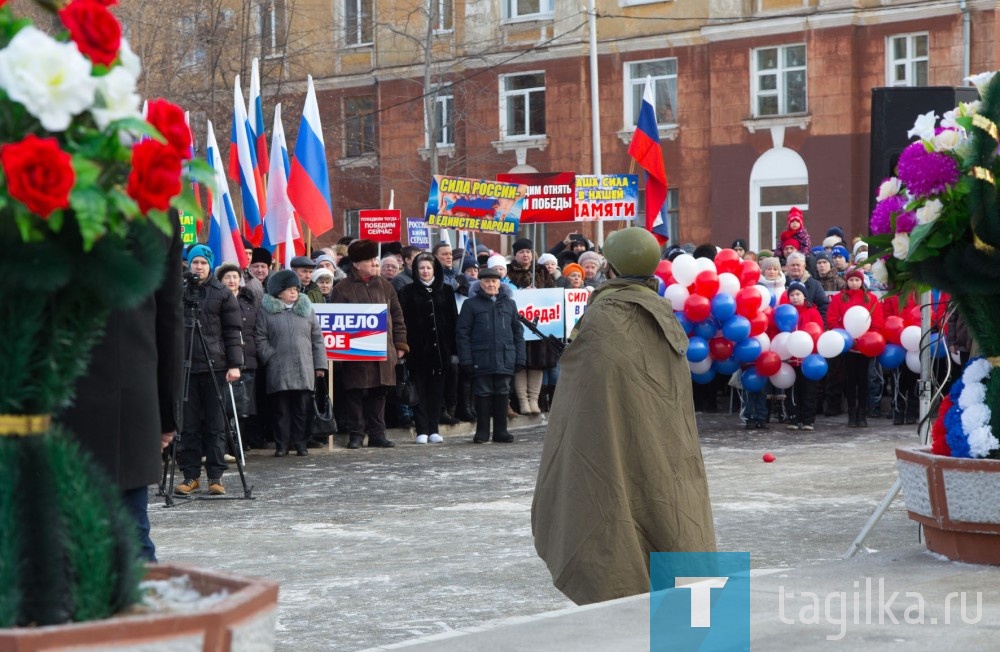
(894, 111)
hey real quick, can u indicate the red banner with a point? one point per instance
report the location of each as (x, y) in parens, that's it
(550, 196)
(380, 225)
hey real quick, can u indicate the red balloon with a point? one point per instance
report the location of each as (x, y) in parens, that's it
(663, 270)
(893, 329)
(719, 348)
(814, 330)
(769, 363)
(706, 283)
(728, 260)
(748, 302)
(749, 273)
(869, 343)
(758, 324)
(697, 308)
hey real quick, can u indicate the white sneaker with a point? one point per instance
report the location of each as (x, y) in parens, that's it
(421, 439)
(435, 438)
(228, 458)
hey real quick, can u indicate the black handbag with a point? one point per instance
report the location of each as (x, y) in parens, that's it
(406, 389)
(322, 423)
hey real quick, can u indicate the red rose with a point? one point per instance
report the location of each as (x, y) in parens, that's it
(94, 29)
(169, 120)
(39, 174)
(156, 175)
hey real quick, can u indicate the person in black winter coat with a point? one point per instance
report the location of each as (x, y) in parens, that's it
(216, 357)
(490, 349)
(429, 311)
(249, 302)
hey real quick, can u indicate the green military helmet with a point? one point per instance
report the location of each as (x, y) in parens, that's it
(632, 252)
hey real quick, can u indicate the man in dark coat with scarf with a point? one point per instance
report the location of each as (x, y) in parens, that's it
(621, 474)
(366, 383)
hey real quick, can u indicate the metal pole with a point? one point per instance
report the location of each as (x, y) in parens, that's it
(595, 105)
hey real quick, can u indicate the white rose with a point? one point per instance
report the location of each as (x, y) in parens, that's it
(946, 141)
(980, 81)
(901, 246)
(129, 59)
(948, 119)
(880, 272)
(889, 188)
(970, 109)
(116, 97)
(923, 127)
(929, 211)
(51, 79)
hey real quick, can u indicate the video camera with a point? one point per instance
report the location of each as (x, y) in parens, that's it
(194, 291)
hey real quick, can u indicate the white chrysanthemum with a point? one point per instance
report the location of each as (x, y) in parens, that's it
(975, 416)
(980, 81)
(116, 97)
(929, 212)
(129, 59)
(947, 140)
(923, 127)
(976, 371)
(879, 271)
(889, 188)
(973, 394)
(901, 245)
(52, 80)
(982, 441)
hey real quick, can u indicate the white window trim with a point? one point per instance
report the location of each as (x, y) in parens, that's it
(276, 51)
(428, 122)
(444, 30)
(628, 110)
(504, 135)
(542, 14)
(360, 43)
(890, 62)
(632, 3)
(755, 80)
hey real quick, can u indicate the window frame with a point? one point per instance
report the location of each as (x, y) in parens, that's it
(441, 96)
(352, 219)
(359, 23)
(505, 134)
(196, 55)
(781, 92)
(273, 13)
(363, 130)
(445, 9)
(630, 110)
(546, 9)
(910, 59)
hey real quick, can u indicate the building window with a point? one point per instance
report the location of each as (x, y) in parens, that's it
(358, 22)
(664, 76)
(514, 9)
(194, 54)
(779, 80)
(772, 216)
(272, 27)
(442, 17)
(352, 221)
(443, 107)
(522, 106)
(906, 60)
(670, 212)
(359, 125)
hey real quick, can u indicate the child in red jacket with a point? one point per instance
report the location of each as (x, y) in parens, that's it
(856, 381)
(796, 230)
(802, 409)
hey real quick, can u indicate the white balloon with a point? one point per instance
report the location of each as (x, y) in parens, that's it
(701, 367)
(765, 295)
(729, 283)
(684, 270)
(910, 339)
(857, 320)
(765, 342)
(913, 360)
(780, 345)
(785, 377)
(704, 265)
(800, 344)
(830, 344)
(677, 294)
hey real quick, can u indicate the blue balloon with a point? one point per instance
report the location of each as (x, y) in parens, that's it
(726, 367)
(661, 289)
(786, 318)
(697, 349)
(848, 340)
(736, 329)
(814, 366)
(685, 322)
(753, 381)
(747, 350)
(774, 299)
(706, 329)
(892, 356)
(939, 348)
(723, 306)
(705, 378)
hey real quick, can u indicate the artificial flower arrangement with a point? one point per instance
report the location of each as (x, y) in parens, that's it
(937, 224)
(87, 186)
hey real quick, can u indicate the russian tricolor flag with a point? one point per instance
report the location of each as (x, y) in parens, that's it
(645, 149)
(309, 180)
(251, 183)
(224, 237)
(280, 224)
(256, 115)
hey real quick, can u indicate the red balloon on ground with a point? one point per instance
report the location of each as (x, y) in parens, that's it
(814, 330)
(768, 458)
(663, 270)
(719, 348)
(869, 343)
(697, 308)
(768, 363)
(893, 329)
(728, 260)
(706, 283)
(748, 302)
(758, 324)
(749, 273)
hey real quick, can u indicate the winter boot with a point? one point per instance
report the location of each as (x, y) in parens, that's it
(544, 401)
(521, 391)
(500, 434)
(862, 416)
(534, 388)
(484, 409)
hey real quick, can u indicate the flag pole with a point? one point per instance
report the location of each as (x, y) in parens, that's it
(595, 104)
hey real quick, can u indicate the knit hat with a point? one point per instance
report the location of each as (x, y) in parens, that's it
(546, 258)
(202, 251)
(573, 267)
(822, 256)
(522, 243)
(303, 261)
(496, 260)
(281, 281)
(362, 250)
(739, 243)
(797, 287)
(590, 257)
(860, 244)
(225, 268)
(320, 272)
(489, 272)
(831, 242)
(247, 244)
(840, 251)
(857, 273)
(468, 262)
(764, 253)
(261, 255)
(835, 230)
(325, 258)
(795, 214)
(767, 262)
(790, 242)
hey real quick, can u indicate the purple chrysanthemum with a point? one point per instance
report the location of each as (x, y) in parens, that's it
(926, 173)
(905, 222)
(881, 220)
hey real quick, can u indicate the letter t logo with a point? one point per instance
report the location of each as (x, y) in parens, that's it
(701, 597)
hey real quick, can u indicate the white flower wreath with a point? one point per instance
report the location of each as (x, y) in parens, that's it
(975, 413)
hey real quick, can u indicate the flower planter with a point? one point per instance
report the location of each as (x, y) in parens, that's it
(955, 500)
(244, 620)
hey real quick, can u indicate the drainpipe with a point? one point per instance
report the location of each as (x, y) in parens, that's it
(966, 38)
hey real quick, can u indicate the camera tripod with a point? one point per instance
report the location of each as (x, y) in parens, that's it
(192, 329)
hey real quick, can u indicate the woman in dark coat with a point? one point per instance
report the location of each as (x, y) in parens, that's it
(523, 273)
(246, 295)
(430, 314)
